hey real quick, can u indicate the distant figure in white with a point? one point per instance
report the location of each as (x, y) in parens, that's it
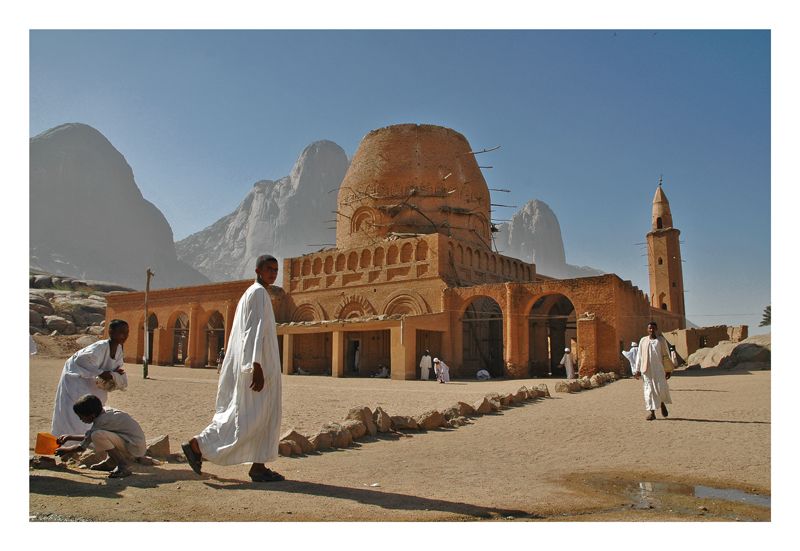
(247, 422)
(650, 367)
(632, 355)
(33, 348)
(79, 377)
(566, 361)
(442, 371)
(425, 365)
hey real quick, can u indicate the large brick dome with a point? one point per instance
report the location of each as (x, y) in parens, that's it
(413, 178)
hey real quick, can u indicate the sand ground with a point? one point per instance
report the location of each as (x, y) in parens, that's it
(570, 457)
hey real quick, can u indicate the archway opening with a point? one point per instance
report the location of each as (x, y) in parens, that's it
(552, 328)
(180, 339)
(367, 353)
(215, 339)
(482, 338)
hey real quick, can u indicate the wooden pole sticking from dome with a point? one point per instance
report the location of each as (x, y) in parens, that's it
(483, 150)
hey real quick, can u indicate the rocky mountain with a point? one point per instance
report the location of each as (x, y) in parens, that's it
(88, 218)
(534, 235)
(278, 217)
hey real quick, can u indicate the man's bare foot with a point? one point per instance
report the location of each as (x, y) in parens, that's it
(107, 465)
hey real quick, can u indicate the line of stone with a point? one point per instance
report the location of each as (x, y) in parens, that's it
(586, 383)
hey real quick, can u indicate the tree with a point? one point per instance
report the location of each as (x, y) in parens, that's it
(766, 317)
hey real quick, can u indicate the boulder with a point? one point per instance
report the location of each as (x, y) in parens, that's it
(357, 428)
(284, 448)
(35, 318)
(612, 376)
(305, 445)
(95, 330)
(451, 413)
(482, 406)
(363, 414)
(585, 383)
(43, 307)
(296, 448)
(158, 446)
(495, 405)
(342, 437)
(562, 386)
(57, 323)
(382, 420)
(42, 281)
(430, 420)
(322, 440)
(459, 422)
(596, 381)
(543, 389)
(85, 340)
(520, 396)
(464, 409)
(574, 385)
(404, 422)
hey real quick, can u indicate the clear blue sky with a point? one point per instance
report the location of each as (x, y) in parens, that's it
(587, 121)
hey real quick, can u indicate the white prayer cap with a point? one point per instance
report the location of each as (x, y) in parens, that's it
(566, 350)
(634, 344)
(436, 360)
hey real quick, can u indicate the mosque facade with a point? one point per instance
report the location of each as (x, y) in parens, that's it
(413, 269)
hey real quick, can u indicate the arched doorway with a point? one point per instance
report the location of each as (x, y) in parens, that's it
(180, 339)
(215, 338)
(552, 327)
(482, 338)
(152, 325)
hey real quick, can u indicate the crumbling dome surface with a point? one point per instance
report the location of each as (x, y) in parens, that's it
(413, 179)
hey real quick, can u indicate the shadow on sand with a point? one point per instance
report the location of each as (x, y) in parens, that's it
(386, 500)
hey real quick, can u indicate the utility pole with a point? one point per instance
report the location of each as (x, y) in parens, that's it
(150, 274)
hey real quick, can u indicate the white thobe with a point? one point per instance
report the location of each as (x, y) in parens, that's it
(656, 389)
(246, 425)
(442, 372)
(78, 379)
(566, 361)
(425, 367)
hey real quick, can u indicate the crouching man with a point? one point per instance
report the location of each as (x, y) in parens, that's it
(112, 431)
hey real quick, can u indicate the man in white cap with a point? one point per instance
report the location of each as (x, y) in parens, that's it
(441, 370)
(566, 361)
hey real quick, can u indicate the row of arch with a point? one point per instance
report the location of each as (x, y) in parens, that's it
(367, 258)
(551, 326)
(483, 260)
(177, 331)
(356, 306)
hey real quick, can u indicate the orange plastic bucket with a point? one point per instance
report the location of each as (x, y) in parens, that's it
(45, 444)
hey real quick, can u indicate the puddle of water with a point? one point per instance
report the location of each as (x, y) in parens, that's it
(737, 496)
(648, 493)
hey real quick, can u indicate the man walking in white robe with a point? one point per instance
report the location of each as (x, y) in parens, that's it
(650, 367)
(78, 378)
(247, 422)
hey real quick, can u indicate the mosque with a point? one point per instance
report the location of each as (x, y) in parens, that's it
(413, 269)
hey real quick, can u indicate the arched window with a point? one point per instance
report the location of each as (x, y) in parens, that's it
(659, 223)
(660, 261)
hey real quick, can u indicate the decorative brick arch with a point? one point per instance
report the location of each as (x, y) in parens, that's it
(307, 312)
(354, 306)
(363, 220)
(406, 303)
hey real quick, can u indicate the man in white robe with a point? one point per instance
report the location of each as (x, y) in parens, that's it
(566, 361)
(78, 378)
(650, 368)
(246, 425)
(425, 364)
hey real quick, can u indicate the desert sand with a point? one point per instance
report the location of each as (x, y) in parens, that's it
(569, 457)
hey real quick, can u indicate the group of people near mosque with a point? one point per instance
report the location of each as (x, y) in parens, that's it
(246, 422)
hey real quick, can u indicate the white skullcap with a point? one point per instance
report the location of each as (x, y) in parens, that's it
(634, 344)
(436, 360)
(566, 350)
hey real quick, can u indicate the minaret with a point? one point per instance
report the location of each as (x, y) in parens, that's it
(664, 259)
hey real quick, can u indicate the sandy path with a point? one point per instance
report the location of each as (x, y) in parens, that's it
(528, 460)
